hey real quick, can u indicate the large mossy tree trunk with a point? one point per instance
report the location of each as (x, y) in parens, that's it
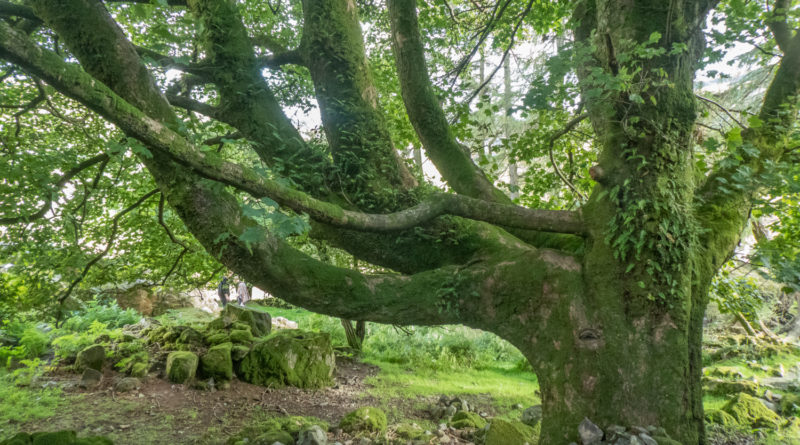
(614, 333)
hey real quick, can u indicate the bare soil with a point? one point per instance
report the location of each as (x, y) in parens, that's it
(162, 412)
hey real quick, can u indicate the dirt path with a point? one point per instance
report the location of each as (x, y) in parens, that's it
(161, 412)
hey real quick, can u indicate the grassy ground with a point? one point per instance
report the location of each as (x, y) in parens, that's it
(403, 371)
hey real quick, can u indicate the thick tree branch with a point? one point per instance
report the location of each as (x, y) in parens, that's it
(190, 104)
(274, 61)
(270, 263)
(246, 101)
(723, 209)
(778, 25)
(426, 113)
(66, 177)
(8, 9)
(354, 124)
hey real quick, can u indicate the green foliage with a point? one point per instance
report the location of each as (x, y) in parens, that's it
(736, 293)
(22, 404)
(106, 312)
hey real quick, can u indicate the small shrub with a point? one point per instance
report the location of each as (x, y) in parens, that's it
(105, 312)
(34, 342)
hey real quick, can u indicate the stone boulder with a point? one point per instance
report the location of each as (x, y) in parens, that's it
(502, 432)
(532, 416)
(217, 363)
(260, 322)
(365, 419)
(289, 357)
(181, 366)
(466, 419)
(127, 384)
(91, 378)
(91, 357)
(149, 303)
(748, 410)
(312, 436)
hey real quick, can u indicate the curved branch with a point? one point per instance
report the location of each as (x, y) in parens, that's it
(567, 128)
(725, 110)
(426, 113)
(66, 177)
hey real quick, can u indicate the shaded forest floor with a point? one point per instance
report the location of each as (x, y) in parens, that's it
(404, 372)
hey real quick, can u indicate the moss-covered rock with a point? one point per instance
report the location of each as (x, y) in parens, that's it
(91, 357)
(502, 432)
(365, 419)
(190, 336)
(217, 337)
(296, 358)
(260, 322)
(238, 352)
(748, 410)
(217, 362)
(467, 419)
(790, 405)
(409, 431)
(181, 366)
(720, 417)
(724, 387)
(728, 372)
(242, 336)
(272, 436)
(55, 438)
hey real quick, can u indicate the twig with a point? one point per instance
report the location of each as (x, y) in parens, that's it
(567, 128)
(705, 99)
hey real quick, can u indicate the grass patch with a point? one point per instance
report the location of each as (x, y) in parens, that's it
(505, 386)
(22, 404)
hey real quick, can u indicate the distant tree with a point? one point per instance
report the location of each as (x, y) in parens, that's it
(606, 301)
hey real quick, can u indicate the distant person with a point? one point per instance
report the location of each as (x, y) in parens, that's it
(223, 290)
(244, 295)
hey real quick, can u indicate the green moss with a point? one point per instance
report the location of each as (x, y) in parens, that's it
(238, 352)
(365, 419)
(720, 417)
(91, 357)
(790, 404)
(243, 336)
(466, 419)
(181, 366)
(272, 436)
(217, 362)
(53, 438)
(217, 337)
(724, 387)
(140, 369)
(290, 357)
(409, 431)
(190, 336)
(748, 410)
(502, 432)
